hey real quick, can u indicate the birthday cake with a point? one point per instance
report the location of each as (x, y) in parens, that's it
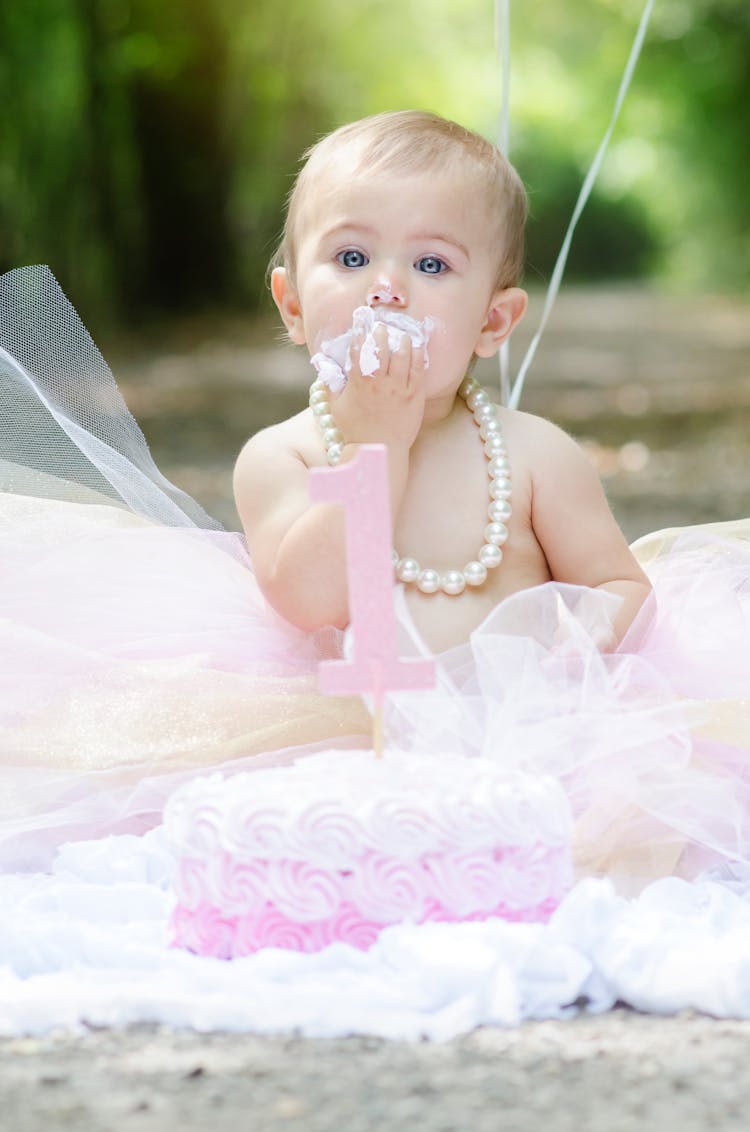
(341, 844)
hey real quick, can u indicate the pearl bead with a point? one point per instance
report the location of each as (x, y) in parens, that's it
(428, 581)
(503, 510)
(494, 445)
(498, 466)
(453, 583)
(331, 436)
(394, 558)
(477, 397)
(475, 573)
(496, 511)
(498, 525)
(490, 556)
(468, 386)
(485, 413)
(334, 453)
(496, 533)
(326, 421)
(501, 488)
(317, 385)
(407, 570)
(319, 397)
(320, 408)
(489, 428)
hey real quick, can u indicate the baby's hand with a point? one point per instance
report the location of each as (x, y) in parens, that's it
(386, 407)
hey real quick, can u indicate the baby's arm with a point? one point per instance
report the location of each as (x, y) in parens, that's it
(298, 548)
(576, 529)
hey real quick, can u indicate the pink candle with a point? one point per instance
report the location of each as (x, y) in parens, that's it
(361, 486)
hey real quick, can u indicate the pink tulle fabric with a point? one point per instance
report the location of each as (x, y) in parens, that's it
(138, 651)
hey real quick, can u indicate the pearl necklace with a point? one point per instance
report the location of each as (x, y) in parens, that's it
(490, 554)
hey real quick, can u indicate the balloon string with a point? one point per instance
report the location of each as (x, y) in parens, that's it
(502, 46)
(580, 204)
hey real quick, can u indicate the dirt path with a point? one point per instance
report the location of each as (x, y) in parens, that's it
(622, 1072)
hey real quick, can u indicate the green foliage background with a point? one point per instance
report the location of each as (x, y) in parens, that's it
(146, 146)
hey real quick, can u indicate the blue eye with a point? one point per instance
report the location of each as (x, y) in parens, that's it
(352, 258)
(431, 265)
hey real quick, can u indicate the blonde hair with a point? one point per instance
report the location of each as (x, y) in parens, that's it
(414, 141)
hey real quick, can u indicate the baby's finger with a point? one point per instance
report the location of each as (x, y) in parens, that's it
(418, 363)
(379, 336)
(352, 364)
(400, 363)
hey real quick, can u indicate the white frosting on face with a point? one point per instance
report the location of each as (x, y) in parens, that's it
(332, 359)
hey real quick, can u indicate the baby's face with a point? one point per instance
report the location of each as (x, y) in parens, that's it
(419, 244)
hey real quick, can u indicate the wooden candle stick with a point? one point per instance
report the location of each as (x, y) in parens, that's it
(375, 668)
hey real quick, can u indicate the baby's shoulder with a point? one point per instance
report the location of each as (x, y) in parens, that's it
(287, 438)
(547, 451)
(277, 456)
(529, 429)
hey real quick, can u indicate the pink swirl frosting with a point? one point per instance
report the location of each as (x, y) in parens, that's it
(468, 821)
(323, 832)
(530, 874)
(238, 886)
(386, 889)
(303, 891)
(255, 830)
(204, 930)
(464, 883)
(190, 882)
(273, 929)
(403, 827)
(196, 824)
(350, 926)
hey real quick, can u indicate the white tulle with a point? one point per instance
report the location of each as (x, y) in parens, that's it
(63, 422)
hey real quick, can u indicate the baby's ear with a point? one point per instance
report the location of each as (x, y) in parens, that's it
(507, 307)
(287, 300)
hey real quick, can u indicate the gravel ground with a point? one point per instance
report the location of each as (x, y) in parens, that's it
(659, 391)
(620, 1072)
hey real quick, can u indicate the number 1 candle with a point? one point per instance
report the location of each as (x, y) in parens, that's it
(375, 667)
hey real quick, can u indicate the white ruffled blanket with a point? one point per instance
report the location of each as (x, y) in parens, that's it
(88, 944)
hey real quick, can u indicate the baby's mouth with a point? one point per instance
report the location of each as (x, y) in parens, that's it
(331, 359)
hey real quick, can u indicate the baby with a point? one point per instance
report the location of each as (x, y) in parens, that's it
(420, 222)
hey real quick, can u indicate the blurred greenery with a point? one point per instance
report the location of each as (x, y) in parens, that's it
(146, 146)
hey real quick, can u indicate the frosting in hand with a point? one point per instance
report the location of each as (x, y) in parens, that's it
(332, 359)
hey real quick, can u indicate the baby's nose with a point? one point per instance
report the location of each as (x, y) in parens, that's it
(386, 292)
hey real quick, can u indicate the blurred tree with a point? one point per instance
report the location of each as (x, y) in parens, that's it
(115, 163)
(682, 148)
(615, 237)
(146, 148)
(175, 85)
(699, 71)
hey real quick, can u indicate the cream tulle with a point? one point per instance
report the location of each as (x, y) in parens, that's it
(138, 650)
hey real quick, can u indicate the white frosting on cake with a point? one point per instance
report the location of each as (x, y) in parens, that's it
(329, 807)
(332, 359)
